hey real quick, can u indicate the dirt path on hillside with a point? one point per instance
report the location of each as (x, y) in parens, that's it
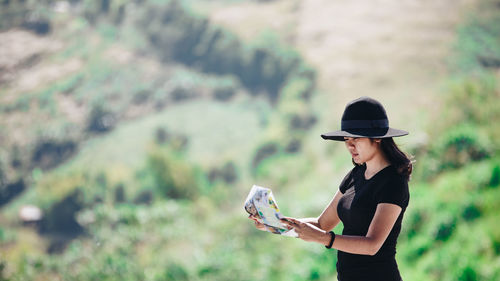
(395, 51)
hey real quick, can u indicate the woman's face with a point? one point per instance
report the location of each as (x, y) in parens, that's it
(361, 149)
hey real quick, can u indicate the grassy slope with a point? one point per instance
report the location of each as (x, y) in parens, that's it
(390, 60)
(315, 175)
(393, 62)
(448, 233)
(215, 131)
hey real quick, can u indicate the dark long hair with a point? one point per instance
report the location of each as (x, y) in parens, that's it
(401, 161)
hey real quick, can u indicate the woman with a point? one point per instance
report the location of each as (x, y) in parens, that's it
(371, 199)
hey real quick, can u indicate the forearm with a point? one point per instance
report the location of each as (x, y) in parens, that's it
(316, 230)
(321, 236)
(313, 221)
(307, 231)
(361, 245)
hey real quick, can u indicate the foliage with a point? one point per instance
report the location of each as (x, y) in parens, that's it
(225, 91)
(266, 150)
(93, 10)
(178, 34)
(472, 99)
(166, 220)
(282, 169)
(468, 131)
(452, 204)
(49, 153)
(171, 175)
(478, 41)
(457, 147)
(31, 15)
(100, 119)
(9, 190)
(445, 225)
(228, 173)
(61, 216)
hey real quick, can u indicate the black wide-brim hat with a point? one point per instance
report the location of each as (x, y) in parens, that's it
(364, 117)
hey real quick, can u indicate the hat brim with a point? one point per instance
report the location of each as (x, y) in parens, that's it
(364, 133)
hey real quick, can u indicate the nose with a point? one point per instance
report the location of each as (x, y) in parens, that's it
(349, 142)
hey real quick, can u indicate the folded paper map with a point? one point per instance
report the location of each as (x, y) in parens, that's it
(261, 204)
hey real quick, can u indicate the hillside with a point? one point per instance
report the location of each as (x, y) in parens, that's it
(393, 51)
(138, 127)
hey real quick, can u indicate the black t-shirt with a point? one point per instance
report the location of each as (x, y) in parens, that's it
(356, 209)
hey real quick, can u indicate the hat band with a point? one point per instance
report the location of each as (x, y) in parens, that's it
(364, 124)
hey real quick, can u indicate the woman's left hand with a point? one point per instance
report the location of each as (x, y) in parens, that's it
(306, 231)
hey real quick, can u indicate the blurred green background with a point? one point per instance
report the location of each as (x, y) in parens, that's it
(132, 131)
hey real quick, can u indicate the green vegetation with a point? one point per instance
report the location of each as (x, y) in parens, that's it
(170, 121)
(450, 231)
(477, 47)
(31, 15)
(179, 35)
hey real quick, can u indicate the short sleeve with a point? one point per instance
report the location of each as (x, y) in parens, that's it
(347, 181)
(395, 191)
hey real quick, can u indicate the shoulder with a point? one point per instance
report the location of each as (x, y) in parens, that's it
(394, 181)
(393, 189)
(397, 180)
(349, 179)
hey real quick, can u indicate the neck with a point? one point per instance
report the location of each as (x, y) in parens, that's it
(377, 163)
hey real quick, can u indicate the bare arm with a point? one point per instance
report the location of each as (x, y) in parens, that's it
(380, 227)
(329, 217)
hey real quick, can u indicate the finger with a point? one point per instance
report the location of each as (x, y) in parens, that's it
(287, 224)
(294, 221)
(288, 220)
(252, 217)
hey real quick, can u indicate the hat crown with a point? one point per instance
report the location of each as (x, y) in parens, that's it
(364, 117)
(364, 108)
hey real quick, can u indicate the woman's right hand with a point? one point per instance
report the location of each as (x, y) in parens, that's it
(258, 225)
